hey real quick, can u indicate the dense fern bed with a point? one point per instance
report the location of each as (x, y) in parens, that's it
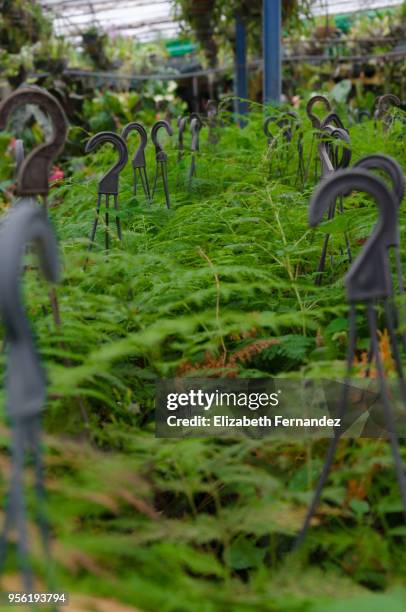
(221, 284)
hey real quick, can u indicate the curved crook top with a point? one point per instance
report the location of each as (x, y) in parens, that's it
(108, 184)
(361, 114)
(346, 153)
(369, 276)
(332, 118)
(388, 165)
(25, 382)
(293, 114)
(34, 172)
(195, 127)
(316, 123)
(266, 129)
(159, 152)
(283, 122)
(382, 104)
(138, 160)
(288, 123)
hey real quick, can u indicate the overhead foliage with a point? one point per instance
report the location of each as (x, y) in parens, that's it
(212, 21)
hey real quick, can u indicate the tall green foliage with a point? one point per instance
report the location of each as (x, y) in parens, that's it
(222, 284)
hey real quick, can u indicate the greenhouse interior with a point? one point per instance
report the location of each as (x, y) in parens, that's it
(203, 329)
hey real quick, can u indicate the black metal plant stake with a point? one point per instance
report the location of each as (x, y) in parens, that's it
(195, 127)
(330, 162)
(161, 159)
(138, 161)
(33, 171)
(390, 167)
(367, 282)
(382, 107)
(289, 125)
(285, 125)
(362, 115)
(333, 126)
(109, 183)
(316, 123)
(297, 128)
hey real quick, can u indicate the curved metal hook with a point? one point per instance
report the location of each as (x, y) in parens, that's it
(34, 172)
(293, 114)
(159, 152)
(282, 122)
(391, 167)
(138, 161)
(266, 129)
(24, 224)
(382, 104)
(109, 182)
(361, 114)
(288, 123)
(332, 118)
(369, 276)
(316, 123)
(339, 134)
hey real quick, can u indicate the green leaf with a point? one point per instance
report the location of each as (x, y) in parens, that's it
(243, 554)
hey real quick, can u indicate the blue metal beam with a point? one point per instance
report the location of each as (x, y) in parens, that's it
(271, 34)
(241, 75)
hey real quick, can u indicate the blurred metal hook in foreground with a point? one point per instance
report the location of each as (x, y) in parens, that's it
(25, 379)
(33, 171)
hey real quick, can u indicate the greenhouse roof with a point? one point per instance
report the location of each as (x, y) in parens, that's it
(334, 7)
(144, 19)
(150, 19)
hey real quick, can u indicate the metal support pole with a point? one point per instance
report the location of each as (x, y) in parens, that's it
(272, 27)
(241, 76)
